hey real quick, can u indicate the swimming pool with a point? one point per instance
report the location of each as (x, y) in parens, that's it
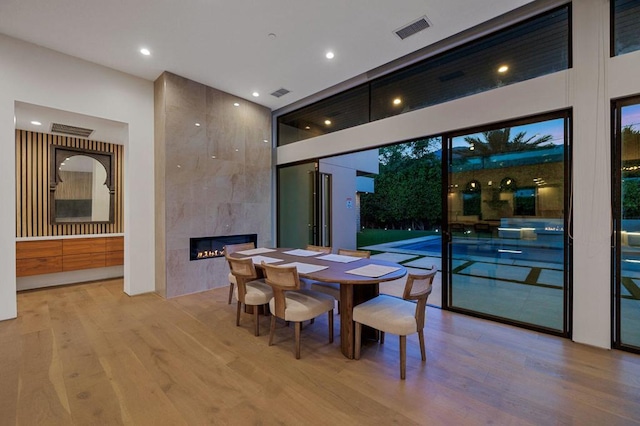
(464, 248)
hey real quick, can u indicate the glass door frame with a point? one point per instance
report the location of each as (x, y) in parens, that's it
(616, 209)
(319, 230)
(568, 216)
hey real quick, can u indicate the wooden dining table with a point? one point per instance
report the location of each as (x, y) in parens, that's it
(354, 289)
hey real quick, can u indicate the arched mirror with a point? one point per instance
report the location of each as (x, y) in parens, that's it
(81, 188)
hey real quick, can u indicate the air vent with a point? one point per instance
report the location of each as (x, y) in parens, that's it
(280, 92)
(70, 130)
(414, 27)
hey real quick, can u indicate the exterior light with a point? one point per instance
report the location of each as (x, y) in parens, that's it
(503, 68)
(327, 122)
(397, 101)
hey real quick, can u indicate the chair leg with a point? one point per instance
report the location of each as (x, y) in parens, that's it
(231, 285)
(356, 353)
(238, 313)
(272, 330)
(297, 328)
(382, 337)
(403, 356)
(330, 315)
(256, 320)
(423, 352)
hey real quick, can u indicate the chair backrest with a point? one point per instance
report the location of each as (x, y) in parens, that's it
(232, 248)
(355, 253)
(418, 287)
(281, 279)
(321, 249)
(244, 270)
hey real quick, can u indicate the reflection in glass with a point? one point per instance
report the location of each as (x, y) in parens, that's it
(625, 26)
(629, 292)
(507, 251)
(82, 194)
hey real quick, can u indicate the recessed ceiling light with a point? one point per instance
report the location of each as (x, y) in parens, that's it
(237, 150)
(145, 51)
(265, 141)
(197, 124)
(397, 101)
(255, 94)
(330, 55)
(327, 122)
(235, 104)
(213, 156)
(503, 69)
(307, 127)
(36, 123)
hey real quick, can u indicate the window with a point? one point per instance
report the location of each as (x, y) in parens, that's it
(529, 49)
(625, 26)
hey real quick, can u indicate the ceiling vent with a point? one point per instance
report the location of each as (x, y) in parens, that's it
(414, 27)
(70, 130)
(280, 92)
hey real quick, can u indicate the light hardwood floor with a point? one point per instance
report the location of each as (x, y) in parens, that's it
(91, 355)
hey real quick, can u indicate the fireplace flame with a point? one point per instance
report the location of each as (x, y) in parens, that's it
(205, 254)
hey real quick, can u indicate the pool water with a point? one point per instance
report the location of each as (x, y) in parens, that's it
(492, 248)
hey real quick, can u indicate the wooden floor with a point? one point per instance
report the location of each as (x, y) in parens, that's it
(91, 355)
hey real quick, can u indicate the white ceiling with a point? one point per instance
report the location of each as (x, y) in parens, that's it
(226, 44)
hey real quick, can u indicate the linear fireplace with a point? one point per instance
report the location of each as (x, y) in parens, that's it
(208, 247)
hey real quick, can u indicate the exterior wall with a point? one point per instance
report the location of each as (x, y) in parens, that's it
(587, 88)
(216, 180)
(39, 76)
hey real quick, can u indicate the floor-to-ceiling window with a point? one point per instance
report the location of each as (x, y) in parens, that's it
(626, 190)
(507, 221)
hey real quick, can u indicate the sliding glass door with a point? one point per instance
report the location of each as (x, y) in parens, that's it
(507, 240)
(626, 192)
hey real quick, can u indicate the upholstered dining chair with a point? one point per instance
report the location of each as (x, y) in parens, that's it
(390, 314)
(232, 248)
(293, 304)
(333, 289)
(249, 289)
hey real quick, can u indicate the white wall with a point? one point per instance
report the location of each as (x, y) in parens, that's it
(39, 76)
(588, 87)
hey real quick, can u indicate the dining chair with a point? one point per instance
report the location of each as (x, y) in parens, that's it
(390, 314)
(249, 289)
(232, 248)
(293, 304)
(333, 289)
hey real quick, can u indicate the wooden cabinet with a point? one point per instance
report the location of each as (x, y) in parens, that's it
(70, 254)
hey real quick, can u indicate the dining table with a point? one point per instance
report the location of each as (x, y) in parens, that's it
(358, 278)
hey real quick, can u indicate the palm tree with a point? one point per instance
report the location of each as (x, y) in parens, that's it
(498, 141)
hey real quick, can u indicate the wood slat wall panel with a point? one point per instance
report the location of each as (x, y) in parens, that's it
(32, 186)
(33, 249)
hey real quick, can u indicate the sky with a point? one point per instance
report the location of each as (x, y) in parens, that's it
(555, 128)
(631, 116)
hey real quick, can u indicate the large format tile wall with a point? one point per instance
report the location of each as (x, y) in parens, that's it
(212, 179)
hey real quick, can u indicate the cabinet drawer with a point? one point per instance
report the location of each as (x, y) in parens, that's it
(38, 265)
(83, 245)
(114, 258)
(73, 262)
(38, 249)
